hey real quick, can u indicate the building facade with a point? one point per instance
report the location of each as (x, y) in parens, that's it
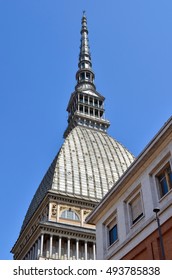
(83, 171)
(134, 219)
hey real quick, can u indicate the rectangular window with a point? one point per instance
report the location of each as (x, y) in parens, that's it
(96, 113)
(111, 229)
(87, 75)
(101, 113)
(136, 208)
(82, 76)
(113, 235)
(81, 97)
(100, 103)
(86, 110)
(81, 108)
(164, 178)
(96, 102)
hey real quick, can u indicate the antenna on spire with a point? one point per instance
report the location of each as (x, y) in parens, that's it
(84, 13)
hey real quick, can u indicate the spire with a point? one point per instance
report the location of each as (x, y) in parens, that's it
(84, 55)
(86, 105)
(85, 73)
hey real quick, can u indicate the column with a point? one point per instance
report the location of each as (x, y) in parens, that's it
(47, 249)
(58, 211)
(42, 244)
(82, 217)
(94, 251)
(60, 246)
(36, 250)
(68, 249)
(39, 248)
(88, 106)
(77, 249)
(33, 252)
(89, 111)
(85, 250)
(51, 245)
(28, 254)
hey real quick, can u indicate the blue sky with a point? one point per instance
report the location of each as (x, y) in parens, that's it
(131, 47)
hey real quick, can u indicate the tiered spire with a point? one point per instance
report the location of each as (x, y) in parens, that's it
(85, 73)
(86, 105)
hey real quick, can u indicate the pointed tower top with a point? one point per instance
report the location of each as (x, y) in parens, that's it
(86, 105)
(85, 73)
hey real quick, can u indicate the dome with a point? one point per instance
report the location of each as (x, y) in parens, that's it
(86, 167)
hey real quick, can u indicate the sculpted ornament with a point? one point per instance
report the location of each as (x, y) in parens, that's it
(86, 212)
(54, 210)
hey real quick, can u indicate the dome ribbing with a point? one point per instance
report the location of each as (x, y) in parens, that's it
(87, 165)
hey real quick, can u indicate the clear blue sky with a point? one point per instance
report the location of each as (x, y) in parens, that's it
(131, 46)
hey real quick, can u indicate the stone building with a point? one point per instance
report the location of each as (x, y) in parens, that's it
(83, 171)
(126, 224)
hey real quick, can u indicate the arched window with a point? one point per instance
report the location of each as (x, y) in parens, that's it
(68, 214)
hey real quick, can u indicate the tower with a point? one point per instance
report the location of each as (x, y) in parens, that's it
(86, 105)
(84, 169)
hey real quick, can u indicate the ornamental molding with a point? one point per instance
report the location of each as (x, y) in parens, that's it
(71, 201)
(67, 233)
